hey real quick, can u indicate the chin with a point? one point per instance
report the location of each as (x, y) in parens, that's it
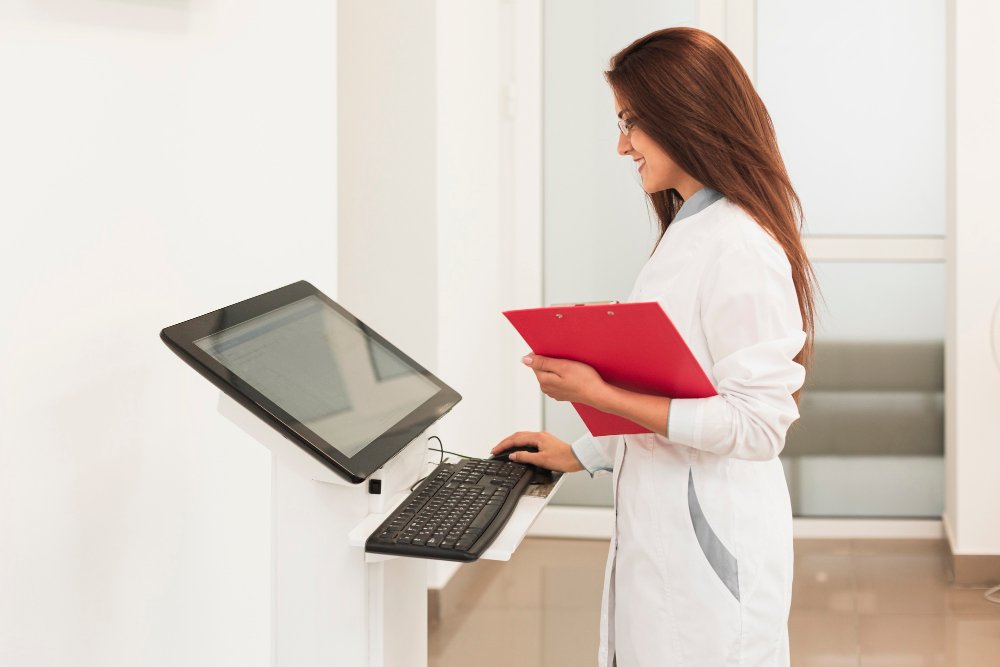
(650, 187)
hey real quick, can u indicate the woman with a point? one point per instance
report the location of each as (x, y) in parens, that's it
(700, 567)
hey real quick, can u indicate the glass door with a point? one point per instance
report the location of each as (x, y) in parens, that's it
(857, 94)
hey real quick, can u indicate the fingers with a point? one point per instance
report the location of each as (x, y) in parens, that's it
(536, 458)
(552, 454)
(519, 438)
(544, 369)
(538, 363)
(544, 380)
(541, 364)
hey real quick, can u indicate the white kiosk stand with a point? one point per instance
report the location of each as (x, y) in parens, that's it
(332, 603)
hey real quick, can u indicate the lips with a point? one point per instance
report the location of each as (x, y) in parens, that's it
(640, 163)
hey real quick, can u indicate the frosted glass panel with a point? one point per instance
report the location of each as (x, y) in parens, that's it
(881, 301)
(870, 440)
(872, 486)
(856, 90)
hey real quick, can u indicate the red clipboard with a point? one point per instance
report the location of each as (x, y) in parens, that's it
(634, 346)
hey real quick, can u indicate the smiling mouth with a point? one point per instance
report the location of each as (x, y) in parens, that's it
(641, 162)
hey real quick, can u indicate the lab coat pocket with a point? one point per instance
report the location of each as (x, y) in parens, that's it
(710, 589)
(719, 557)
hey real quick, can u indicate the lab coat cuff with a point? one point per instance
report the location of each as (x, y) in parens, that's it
(684, 421)
(590, 455)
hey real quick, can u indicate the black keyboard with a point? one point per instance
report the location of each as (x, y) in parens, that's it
(455, 514)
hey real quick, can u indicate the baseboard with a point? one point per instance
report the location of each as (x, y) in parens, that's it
(976, 570)
(598, 522)
(949, 535)
(868, 529)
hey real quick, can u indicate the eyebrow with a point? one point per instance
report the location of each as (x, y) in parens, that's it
(622, 111)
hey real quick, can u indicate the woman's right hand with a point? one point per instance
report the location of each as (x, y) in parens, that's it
(552, 454)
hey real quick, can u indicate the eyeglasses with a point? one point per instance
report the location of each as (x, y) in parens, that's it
(625, 124)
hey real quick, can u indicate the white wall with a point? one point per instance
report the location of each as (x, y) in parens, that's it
(972, 380)
(160, 159)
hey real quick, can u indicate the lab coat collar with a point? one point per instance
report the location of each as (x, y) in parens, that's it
(698, 202)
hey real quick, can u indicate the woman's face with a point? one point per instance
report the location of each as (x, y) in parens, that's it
(657, 170)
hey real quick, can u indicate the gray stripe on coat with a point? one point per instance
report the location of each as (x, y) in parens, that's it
(715, 551)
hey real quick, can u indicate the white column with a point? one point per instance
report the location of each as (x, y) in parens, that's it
(735, 23)
(388, 265)
(387, 154)
(972, 383)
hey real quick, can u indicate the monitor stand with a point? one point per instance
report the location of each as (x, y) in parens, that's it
(329, 605)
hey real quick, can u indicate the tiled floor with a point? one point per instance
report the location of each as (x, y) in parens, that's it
(859, 603)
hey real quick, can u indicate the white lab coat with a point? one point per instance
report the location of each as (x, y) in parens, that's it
(699, 572)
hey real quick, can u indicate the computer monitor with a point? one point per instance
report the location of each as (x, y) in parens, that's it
(317, 374)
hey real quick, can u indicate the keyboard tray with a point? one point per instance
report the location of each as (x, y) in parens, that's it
(455, 514)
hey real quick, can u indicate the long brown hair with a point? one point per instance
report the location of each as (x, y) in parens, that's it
(689, 93)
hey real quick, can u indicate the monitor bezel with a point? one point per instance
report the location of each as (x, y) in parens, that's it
(182, 337)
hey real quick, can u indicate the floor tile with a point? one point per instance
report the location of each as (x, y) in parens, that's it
(519, 583)
(572, 587)
(570, 637)
(970, 601)
(489, 638)
(903, 641)
(820, 639)
(824, 582)
(973, 641)
(901, 583)
(507, 585)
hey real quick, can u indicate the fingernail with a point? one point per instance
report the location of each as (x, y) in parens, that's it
(527, 359)
(512, 457)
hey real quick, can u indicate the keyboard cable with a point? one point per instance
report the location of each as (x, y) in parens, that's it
(440, 448)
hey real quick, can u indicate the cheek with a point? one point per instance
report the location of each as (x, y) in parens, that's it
(665, 170)
(648, 150)
(658, 160)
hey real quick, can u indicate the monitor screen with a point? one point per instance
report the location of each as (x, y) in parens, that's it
(322, 370)
(317, 373)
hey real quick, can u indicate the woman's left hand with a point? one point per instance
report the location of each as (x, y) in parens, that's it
(566, 380)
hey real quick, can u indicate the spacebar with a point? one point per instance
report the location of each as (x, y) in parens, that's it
(485, 517)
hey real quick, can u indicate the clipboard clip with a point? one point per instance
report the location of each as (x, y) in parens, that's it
(586, 303)
(589, 303)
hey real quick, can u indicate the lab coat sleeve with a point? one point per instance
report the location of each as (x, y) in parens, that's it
(750, 316)
(595, 453)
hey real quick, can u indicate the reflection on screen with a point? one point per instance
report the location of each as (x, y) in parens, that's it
(323, 371)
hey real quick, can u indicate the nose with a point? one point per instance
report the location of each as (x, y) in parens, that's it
(624, 143)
